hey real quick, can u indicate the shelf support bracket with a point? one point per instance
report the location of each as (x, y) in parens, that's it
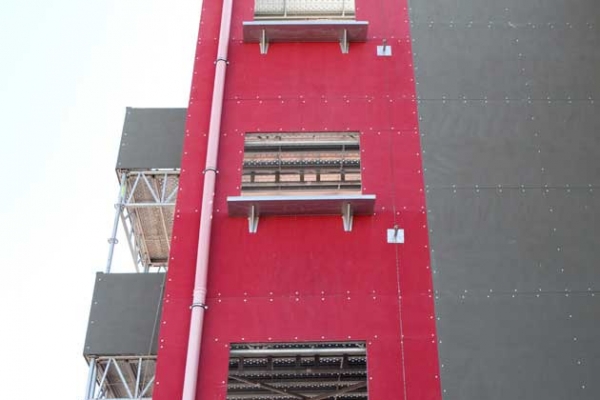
(347, 217)
(253, 220)
(344, 44)
(264, 42)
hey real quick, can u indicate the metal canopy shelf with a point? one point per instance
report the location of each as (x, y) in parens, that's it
(346, 205)
(344, 32)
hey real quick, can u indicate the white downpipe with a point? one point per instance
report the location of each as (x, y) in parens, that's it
(199, 296)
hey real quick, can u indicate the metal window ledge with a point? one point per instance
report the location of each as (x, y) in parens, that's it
(344, 32)
(254, 207)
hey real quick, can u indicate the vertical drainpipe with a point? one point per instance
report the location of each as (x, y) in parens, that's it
(199, 296)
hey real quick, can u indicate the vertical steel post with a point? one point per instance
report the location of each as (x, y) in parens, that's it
(112, 241)
(91, 381)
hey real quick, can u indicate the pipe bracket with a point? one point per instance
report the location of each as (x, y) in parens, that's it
(395, 235)
(201, 305)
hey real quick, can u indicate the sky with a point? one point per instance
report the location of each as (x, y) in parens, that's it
(68, 69)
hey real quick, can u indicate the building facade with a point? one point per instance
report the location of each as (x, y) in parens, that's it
(303, 278)
(375, 199)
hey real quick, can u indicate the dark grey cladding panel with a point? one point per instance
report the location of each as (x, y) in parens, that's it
(514, 240)
(573, 245)
(569, 135)
(514, 11)
(515, 267)
(488, 240)
(523, 346)
(514, 143)
(561, 62)
(152, 138)
(474, 63)
(477, 142)
(125, 315)
(498, 61)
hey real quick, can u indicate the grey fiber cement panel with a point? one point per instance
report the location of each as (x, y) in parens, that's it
(514, 240)
(125, 314)
(517, 12)
(152, 138)
(484, 143)
(556, 62)
(561, 61)
(485, 240)
(523, 346)
(510, 143)
(474, 63)
(573, 246)
(569, 142)
(515, 268)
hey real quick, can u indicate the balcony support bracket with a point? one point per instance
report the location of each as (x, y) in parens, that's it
(264, 42)
(347, 217)
(253, 219)
(344, 43)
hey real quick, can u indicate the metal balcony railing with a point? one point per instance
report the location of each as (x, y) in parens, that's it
(304, 9)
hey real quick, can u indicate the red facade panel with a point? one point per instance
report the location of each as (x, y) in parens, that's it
(303, 278)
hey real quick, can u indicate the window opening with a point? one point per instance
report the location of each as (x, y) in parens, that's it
(301, 370)
(304, 9)
(301, 163)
